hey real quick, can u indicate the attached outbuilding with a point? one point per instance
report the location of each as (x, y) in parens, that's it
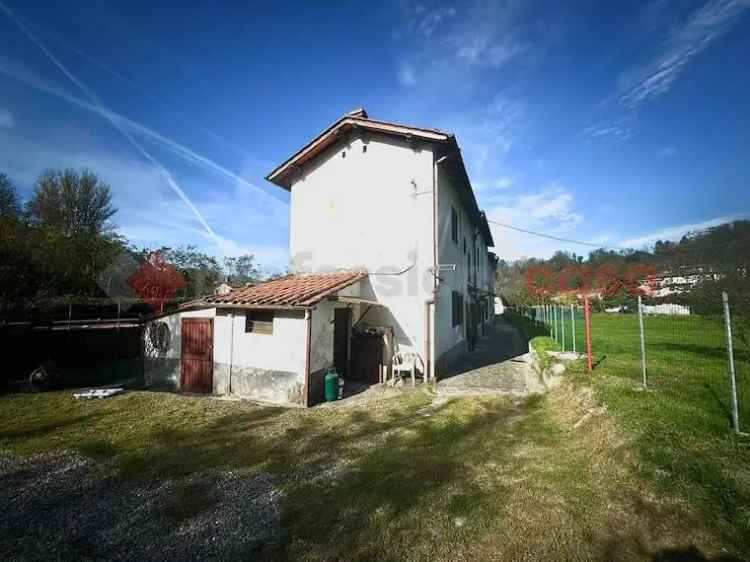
(271, 342)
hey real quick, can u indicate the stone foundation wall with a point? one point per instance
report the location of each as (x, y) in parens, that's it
(277, 387)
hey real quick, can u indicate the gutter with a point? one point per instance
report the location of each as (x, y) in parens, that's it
(430, 302)
(231, 350)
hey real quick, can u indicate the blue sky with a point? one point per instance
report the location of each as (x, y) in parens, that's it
(612, 122)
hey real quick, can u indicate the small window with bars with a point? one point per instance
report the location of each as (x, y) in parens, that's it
(259, 322)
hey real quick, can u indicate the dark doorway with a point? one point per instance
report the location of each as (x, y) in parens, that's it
(197, 355)
(341, 327)
(367, 357)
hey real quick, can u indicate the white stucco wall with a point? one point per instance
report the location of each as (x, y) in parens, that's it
(448, 336)
(263, 351)
(284, 350)
(268, 367)
(163, 366)
(174, 321)
(371, 210)
(322, 323)
(449, 252)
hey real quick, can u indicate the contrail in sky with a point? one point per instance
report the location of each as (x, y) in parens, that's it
(139, 88)
(117, 121)
(178, 149)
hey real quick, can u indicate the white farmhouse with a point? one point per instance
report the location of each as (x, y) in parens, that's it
(389, 252)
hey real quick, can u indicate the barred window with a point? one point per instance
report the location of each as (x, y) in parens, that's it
(259, 322)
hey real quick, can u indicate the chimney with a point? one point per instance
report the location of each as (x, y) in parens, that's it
(359, 112)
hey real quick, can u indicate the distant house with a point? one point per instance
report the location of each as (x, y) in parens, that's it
(680, 280)
(389, 252)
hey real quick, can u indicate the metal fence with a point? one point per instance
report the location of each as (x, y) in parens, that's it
(702, 359)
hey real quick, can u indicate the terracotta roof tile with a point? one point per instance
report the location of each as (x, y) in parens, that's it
(290, 291)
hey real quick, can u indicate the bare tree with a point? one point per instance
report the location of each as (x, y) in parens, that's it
(72, 203)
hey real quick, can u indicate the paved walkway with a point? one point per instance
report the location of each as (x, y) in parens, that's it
(501, 364)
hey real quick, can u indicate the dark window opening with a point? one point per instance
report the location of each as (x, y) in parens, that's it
(457, 305)
(454, 225)
(259, 322)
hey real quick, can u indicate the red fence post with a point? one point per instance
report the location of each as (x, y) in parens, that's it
(587, 322)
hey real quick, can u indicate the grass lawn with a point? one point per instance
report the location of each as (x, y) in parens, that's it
(679, 430)
(409, 478)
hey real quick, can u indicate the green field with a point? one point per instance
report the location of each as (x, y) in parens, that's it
(686, 358)
(680, 427)
(685, 355)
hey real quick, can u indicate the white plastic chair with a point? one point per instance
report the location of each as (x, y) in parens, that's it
(407, 362)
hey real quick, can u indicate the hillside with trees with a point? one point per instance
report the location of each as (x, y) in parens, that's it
(723, 250)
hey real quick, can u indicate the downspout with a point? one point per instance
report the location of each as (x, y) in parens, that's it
(308, 335)
(430, 302)
(231, 351)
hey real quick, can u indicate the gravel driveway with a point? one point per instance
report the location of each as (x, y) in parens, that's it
(62, 506)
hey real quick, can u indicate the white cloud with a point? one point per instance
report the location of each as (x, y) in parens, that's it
(503, 183)
(432, 20)
(500, 118)
(6, 119)
(485, 49)
(549, 211)
(480, 34)
(656, 74)
(615, 130)
(683, 44)
(677, 232)
(406, 75)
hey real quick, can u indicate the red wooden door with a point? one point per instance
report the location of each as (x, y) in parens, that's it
(197, 355)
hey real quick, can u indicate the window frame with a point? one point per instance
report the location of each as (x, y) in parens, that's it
(253, 325)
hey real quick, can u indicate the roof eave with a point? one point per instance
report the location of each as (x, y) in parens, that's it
(280, 175)
(229, 305)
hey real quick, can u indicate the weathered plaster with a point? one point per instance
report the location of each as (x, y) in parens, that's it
(277, 387)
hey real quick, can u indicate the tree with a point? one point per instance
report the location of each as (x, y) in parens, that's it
(71, 203)
(241, 270)
(66, 242)
(540, 281)
(156, 280)
(202, 272)
(10, 208)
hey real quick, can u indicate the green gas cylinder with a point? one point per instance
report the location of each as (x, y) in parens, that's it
(331, 385)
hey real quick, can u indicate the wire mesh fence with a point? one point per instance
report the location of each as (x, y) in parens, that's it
(701, 359)
(563, 323)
